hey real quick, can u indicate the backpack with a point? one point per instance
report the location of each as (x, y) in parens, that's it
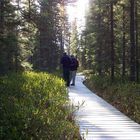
(74, 64)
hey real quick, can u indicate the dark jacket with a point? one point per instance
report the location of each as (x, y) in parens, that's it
(66, 62)
(74, 64)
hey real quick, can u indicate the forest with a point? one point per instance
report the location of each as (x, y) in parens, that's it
(33, 36)
(110, 42)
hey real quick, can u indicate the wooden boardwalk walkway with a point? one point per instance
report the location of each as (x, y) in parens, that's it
(97, 119)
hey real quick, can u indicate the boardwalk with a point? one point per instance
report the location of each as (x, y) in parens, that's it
(98, 120)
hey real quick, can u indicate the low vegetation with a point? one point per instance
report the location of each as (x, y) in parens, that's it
(123, 95)
(35, 106)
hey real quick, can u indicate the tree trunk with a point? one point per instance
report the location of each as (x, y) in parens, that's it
(132, 42)
(99, 43)
(1, 17)
(29, 1)
(137, 49)
(17, 44)
(112, 42)
(124, 46)
(2, 69)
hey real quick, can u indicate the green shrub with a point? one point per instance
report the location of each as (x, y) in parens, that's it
(88, 73)
(35, 106)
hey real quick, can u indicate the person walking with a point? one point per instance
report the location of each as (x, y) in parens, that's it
(66, 62)
(73, 69)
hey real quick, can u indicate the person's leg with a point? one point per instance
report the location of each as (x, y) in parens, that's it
(65, 75)
(68, 77)
(73, 77)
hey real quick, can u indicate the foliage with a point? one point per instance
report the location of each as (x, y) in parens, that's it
(122, 94)
(32, 31)
(108, 46)
(74, 40)
(87, 73)
(53, 38)
(35, 106)
(8, 38)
